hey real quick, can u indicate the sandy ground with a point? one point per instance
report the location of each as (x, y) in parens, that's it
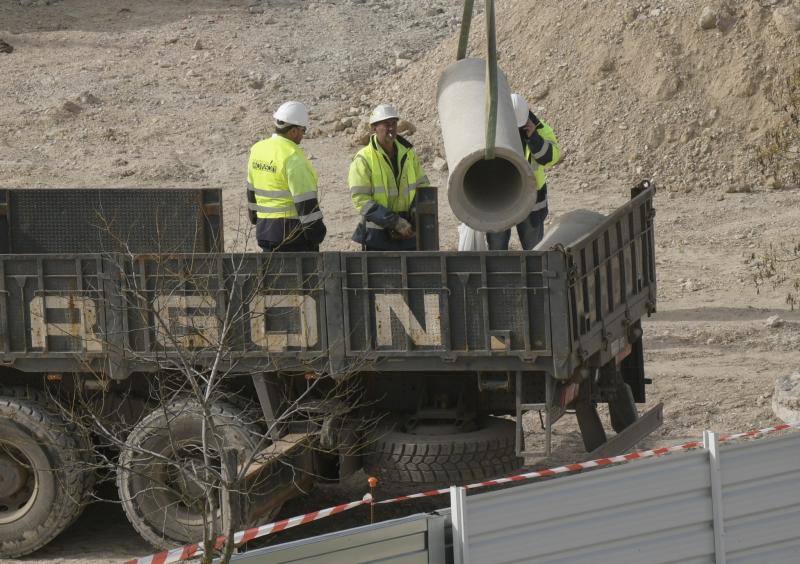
(712, 357)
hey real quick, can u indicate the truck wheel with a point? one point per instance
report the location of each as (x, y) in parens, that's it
(44, 476)
(622, 409)
(158, 464)
(452, 459)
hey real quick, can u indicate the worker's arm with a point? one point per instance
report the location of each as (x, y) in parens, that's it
(251, 196)
(361, 192)
(543, 143)
(303, 186)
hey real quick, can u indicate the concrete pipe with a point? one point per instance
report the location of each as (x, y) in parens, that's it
(486, 195)
(571, 227)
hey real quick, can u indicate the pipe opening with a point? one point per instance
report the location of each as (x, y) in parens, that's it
(492, 185)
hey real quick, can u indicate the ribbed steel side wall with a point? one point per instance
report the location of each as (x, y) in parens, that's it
(541, 311)
(418, 539)
(656, 511)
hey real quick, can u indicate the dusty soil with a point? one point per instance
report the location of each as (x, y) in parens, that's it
(149, 93)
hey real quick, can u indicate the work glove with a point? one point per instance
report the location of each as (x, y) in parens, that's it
(403, 229)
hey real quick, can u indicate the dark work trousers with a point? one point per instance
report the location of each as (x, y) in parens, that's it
(296, 246)
(530, 231)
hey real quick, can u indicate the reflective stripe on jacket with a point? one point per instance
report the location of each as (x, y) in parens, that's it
(380, 196)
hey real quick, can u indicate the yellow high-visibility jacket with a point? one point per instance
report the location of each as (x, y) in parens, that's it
(542, 152)
(382, 191)
(282, 192)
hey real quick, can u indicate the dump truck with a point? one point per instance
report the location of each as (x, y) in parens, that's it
(418, 367)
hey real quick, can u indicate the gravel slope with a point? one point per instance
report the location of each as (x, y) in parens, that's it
(171, 93)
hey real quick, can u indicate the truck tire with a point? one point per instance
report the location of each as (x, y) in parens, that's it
(47, 478)
(447, 459)
(163, 505)
(622, 409)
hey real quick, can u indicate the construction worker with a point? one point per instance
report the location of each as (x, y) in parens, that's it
(282, 187)
(383, 179)
(542, 152)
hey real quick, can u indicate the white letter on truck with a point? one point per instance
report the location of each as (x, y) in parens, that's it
(277, 341)
(385, 304)
(82, 328)
(185, 329)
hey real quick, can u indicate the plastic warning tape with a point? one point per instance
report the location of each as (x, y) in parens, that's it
(578, 466)
(192, 550)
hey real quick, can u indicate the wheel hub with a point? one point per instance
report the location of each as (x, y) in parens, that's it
(18, 486)
(13, 476)
(185, 480)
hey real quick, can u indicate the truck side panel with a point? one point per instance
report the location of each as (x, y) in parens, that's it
(52, 308)
(273, 304)
(612, 282)
(556, 311)
(446, 304)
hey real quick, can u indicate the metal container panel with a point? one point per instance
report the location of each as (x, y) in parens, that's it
(446, 303)
(775, 553)
(438, 311)
(273, 305)
(52, 307)
(417, 539)
(761, 500)
(654, 511)
(104, 220)
(650, 511)
(613, 281)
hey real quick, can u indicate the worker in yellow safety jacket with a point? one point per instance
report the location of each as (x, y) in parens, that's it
(542, 152)
(282, 187)
(383, 178)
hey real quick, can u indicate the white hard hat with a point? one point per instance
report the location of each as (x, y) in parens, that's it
(382, 112)
(521, 109)
(293, 113)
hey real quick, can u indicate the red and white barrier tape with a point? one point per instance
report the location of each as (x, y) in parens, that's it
(192, 550)
(187, 552)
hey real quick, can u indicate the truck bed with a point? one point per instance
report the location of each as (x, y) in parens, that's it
(556, 310)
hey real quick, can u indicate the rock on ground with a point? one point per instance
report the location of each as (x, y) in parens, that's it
(786, 398)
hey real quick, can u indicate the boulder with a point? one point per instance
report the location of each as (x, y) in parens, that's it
(255, 81)
(787, 19)
(71, 107)
(406, 128)
(89, 99)
(708, 18)
(786, 398)
(362, 134)
(773, 322)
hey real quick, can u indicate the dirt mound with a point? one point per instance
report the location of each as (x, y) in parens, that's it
(682, 92)
(173, 93)
(180, 90)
